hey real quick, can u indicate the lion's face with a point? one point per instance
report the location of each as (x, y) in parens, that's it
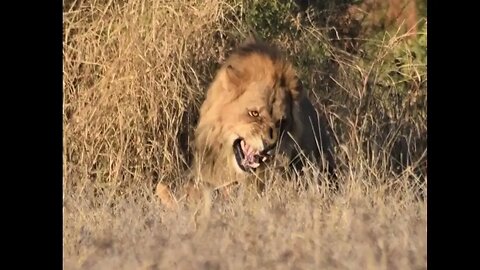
(252, 124)
(246, 108)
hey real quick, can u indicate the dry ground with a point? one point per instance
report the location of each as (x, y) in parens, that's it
(362, 227)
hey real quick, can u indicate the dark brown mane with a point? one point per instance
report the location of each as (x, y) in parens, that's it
(258, 47)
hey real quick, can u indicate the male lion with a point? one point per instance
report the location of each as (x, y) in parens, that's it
(254, 106)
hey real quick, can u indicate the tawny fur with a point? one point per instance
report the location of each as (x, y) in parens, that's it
(256, 77)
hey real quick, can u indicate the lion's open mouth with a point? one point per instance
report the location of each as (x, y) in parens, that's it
(247, 158)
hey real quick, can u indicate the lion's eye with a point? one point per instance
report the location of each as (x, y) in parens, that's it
(253, 113)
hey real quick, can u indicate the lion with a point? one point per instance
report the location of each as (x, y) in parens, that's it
(255, 109)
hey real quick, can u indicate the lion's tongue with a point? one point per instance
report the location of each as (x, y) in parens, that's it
(250, 162)
(249, 155)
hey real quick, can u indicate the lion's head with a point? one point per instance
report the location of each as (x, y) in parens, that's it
(246, 107)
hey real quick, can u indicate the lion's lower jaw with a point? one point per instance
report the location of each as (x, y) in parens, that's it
(236, 167)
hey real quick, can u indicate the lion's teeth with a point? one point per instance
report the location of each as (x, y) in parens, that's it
(264, 159)
(254, 165)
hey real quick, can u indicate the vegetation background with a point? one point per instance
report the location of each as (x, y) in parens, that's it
(135, 72)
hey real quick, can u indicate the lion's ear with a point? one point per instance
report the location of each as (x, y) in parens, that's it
(234, 74)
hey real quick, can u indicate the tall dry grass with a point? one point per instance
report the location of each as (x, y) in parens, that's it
(134, 76)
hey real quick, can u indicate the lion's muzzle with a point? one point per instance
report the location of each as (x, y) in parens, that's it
(247, 157)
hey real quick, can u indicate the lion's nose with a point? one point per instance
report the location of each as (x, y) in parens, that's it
(269, 140)
(270, 134)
